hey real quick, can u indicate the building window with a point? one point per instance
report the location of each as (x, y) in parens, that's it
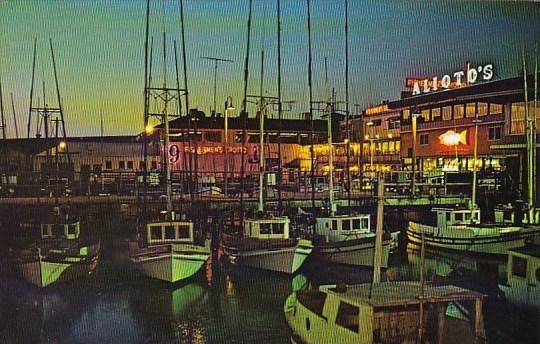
(517, 118)
(494, 133)
(375, 123)
(121, 165)
(424, 139)
(393, 123)
(141, 165)
(495, 109)
(482, 109)
(458, 111)
(470, 110)
(447, 113)
(436, 114)
(130, 165)
(425, 115)
(406, 115)
(108, 165)
(154, 165)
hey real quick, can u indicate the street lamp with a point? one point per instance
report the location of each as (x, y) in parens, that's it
(228, 107)
(414, 116)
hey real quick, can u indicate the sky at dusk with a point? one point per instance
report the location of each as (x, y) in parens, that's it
(99, 50)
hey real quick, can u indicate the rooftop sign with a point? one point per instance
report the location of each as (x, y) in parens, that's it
(457, 80)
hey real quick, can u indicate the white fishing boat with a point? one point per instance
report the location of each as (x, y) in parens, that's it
(170, 253)
(59, 255)
(388, 312)
(522, 285)
(460, 229)
(348, 239)
(266, 244)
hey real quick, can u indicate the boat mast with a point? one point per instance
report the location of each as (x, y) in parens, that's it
(530, 144)
(535, 181)
(244, 113)
(280, 109)
(330, 110)
(347, 123)
(2, 123)
(310, 85)
(166, 134)
(262, 110)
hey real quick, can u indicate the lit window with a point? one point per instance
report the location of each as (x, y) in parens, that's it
(121, 165)
(436, 114)
(458, 111)
(447, 113)
(495, 109)
(482, 109)
(470, 110)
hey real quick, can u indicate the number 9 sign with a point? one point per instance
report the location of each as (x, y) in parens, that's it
(174, 153)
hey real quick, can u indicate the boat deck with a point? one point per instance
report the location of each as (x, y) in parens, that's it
(401, 293)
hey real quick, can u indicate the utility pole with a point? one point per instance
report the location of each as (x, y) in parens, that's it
(216, 61)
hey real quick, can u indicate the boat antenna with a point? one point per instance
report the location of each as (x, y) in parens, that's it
(347, 123)
(216, 61)
(31, 90)
(244, 113)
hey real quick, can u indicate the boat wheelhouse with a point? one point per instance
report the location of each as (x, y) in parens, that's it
(387, 312)
(266, 244)
(348, 239)
(522, 286)
(171, 254)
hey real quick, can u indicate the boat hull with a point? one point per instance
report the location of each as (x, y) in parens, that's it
(525, 297)
(467, 239)
(178, 264)
(287, 259)
(44, 272)
(359, 252)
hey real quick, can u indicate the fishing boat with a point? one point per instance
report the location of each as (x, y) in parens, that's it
(460, 229)
(388, 312)
(266, 244)
(522, 285)
(166, 248)
(59, 255)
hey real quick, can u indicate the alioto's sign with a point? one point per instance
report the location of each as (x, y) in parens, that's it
(456, 80)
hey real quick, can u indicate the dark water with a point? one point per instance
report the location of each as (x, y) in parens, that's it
(223, 305)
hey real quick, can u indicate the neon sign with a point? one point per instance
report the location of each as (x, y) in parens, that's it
(451, 138)
(460, 79)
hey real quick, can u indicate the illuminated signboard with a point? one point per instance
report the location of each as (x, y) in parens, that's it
(458, 79)
(451, 138)
(376, 109)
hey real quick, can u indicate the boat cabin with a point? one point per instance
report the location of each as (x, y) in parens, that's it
(169, 232)
(386, 313)
(523, 276)
(267, 227)
(343, 227)
(507, 214)
(456, 217)
(70, 229)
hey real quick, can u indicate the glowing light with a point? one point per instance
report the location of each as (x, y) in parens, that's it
(451, 138)
(62, 145)
(149, 129)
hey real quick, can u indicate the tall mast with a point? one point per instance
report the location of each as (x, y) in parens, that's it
(262, 110)
(244, 113)
(534, 169)
(32, 90)
(310, 84)
(2, 120)
(166, 128)
(530, 144)
(14, 116)
(280, 109)
(146, 104)
(347, 124)
(330, 110)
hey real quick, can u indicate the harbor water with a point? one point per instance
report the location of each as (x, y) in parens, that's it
(223, 304)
